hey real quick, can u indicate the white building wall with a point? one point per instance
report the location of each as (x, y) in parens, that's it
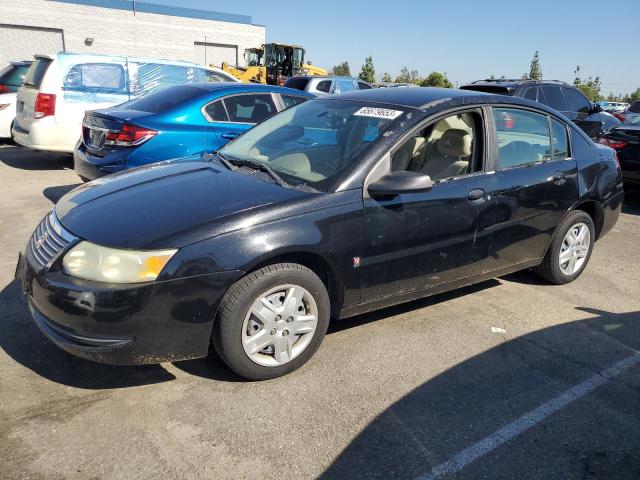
(120, 32)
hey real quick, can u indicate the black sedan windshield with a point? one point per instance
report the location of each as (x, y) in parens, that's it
(315, 142)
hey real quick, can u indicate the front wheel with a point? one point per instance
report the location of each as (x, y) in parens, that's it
(272, 321)
(570, 249)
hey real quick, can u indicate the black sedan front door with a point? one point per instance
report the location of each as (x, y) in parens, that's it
(420, 241)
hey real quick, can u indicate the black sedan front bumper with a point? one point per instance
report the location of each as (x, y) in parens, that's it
(125, 324)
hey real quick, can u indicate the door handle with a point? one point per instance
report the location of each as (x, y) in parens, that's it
(477, 195)
(230, 136)
(559, 178)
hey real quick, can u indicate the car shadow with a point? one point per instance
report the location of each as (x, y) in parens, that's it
(553, 403)
(53, 194)
(213, 368)
(25, 159)
(23, 342)
(631, 204)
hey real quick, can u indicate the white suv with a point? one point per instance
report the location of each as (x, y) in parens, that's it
(59, 89)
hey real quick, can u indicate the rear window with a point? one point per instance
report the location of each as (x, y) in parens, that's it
(13, 76)
(163, 99)
(635, 107)
(96, 77)
(36, 72)
(297, 83)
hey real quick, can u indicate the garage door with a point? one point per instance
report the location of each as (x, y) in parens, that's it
(22, 43)
(213, 54)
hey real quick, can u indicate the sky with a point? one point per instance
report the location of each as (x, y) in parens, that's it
(467, 39)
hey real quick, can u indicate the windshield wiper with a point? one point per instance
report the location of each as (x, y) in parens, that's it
(259, 166)
(221, 159)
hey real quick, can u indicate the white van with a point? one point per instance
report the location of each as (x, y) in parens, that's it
(58, 89)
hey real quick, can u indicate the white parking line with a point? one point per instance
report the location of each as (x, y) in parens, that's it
(515, 428)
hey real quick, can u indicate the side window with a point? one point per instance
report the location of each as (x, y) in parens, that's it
(554, 98)
(96, 77)
(364, 86)
(523, 137)
(560, 140)
(291, 100)
(324, 86)
(344, 85)
(216, 112)
(249, 108)
(212, 77)
(576, 101)
(448, 148)
(531, 93)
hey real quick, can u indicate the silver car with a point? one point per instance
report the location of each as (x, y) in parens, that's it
(319, 85)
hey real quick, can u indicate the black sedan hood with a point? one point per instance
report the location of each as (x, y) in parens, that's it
(150, 206)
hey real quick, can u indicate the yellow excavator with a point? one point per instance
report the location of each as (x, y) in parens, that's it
(272, 64)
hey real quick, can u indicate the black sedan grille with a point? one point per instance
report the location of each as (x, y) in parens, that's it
(48, 241)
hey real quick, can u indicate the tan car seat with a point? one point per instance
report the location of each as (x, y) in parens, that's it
(410, 151)
(454, 150)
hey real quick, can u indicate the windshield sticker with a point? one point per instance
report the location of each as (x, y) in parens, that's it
(378, 113)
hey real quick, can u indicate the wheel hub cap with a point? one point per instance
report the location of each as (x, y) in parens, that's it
(279, 325)
(574, 249)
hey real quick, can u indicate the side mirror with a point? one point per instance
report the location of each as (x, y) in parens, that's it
(595, 108)
(400, 182)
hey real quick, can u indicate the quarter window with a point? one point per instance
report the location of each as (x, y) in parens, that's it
(445, 149)
(364, 86)
(523, 137)
(291, 100)
(96, 77)
(324, 86)
(576, 101)
(216, 111)
(531, 93)
(560, 140)
(554, 99)
(249, 108)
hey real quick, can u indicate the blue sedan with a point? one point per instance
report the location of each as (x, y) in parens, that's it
(181, 121)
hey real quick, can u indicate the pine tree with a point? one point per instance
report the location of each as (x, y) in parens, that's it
(535, 70)
(341, 70)
(386, 78)
(368, 72)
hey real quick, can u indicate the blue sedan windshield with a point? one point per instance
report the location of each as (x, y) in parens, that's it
(316, 141)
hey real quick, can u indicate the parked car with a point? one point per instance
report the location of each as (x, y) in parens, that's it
(320, 86)
(611, 107)
(11, 78)
(625, 139)
(560, 96)
(630, 114)
(407, 192)
(59, 89)
(178, 121)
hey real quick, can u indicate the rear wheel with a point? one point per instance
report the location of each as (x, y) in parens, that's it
(272, 321)
(570, 249)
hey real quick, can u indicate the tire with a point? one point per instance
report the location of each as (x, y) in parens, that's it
(557, 272)
(254, 338)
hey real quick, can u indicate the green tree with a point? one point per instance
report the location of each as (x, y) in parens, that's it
(368, 72)
(590, 87)
(436, 79)
(407, 76)
(634, 97)
(535, 70)
(386, 78)
(341, 70)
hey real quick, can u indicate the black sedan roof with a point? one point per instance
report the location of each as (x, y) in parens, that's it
(411, 97)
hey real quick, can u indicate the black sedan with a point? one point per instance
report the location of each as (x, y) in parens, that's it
(626, 141)
(333, 208)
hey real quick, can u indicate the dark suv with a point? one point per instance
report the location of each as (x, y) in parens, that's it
(558, 95)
